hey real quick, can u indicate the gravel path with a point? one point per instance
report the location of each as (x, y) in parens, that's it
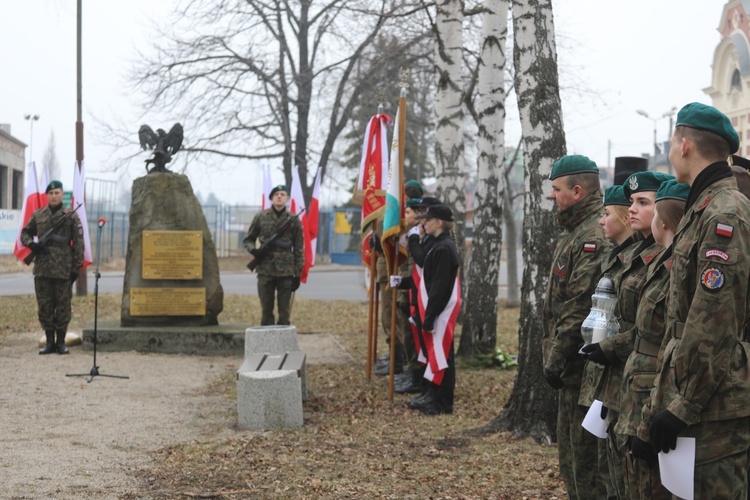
(63, 437)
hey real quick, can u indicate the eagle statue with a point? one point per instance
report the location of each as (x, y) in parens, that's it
(164, 145)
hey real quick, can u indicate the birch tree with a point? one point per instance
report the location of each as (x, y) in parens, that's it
(479, 332)
(449, 115)
(531, 409)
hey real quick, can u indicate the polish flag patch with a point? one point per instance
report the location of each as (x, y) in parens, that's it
(724, 230)
(589, 247)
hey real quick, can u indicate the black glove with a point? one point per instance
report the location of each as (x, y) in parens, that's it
(603, 412)
(73, 276)
(375, 243)
(553, 379)
(643, 450)
(665, 428)
(255, 252)
(37, 247)
(594, 353)
(295, 283)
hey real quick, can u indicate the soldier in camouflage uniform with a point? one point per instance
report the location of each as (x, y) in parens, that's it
(576, 267)
(642, 478)
(702, 387)
(56, 265)
(640, 188)
(616, 225)
(279, 268)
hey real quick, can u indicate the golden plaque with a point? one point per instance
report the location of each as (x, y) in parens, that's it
(172, 255)
(168, 301)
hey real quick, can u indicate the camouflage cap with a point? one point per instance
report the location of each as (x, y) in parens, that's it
(280, 187)
(710, 119)
(53, 185)
(614, 196)
(644, 181)
(573, 164)
(673, 190)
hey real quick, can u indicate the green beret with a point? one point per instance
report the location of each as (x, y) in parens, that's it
(413, 202)
(673, 190)
(573, 164)
(703, 117)
(615, 196)
(53, 185)
(644, 181)
(280, 187)
(414, 185)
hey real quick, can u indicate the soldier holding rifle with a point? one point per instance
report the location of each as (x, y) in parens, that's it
(279, 263)
(58, 256)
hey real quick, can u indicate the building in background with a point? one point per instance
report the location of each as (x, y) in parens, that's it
(12, 167)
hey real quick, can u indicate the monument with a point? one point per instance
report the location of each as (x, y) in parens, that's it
(172, 294)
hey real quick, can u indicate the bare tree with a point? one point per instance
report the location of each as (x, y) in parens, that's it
(266, 80)
(479, 332)
(531, 409)
(449, 115)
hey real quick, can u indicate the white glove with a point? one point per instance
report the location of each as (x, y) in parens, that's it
(395, 281)
(414, 230)
(412, 321)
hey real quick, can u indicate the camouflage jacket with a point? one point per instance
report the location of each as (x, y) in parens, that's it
(576, 267)
(618, 347)
(704, 375)
(640, 368)
(593, 373)
(287, 255)
(64, 251)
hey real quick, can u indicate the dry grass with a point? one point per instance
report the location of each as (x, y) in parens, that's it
(355, 443)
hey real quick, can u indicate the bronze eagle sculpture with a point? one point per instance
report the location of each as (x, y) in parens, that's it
(164, 145)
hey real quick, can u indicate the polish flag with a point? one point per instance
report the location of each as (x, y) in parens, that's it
(312, 216)
(267, 185)
(79, 183)
(32, 200)
(45, 178)
(438, 344)
(297, 205)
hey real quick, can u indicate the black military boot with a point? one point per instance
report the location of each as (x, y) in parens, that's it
(61, 349)
(49, 347)
(413, 382)
(400, 359)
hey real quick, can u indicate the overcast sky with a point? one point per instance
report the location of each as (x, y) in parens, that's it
(615, 57)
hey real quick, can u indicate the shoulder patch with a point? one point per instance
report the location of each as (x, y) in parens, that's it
(589, 247)
(715, 252)
(712, 279)
(724, 230)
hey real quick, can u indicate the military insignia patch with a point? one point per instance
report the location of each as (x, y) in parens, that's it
(633, 183)
(724, 230)
(712, 279)
(715, 252)
(80, 230)
(589, 247)
(705, 203)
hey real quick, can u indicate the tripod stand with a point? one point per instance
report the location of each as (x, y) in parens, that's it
(95, 369)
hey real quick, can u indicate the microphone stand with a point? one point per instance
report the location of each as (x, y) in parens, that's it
(95, 370)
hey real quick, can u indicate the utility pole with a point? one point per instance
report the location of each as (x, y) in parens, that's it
(82, 282)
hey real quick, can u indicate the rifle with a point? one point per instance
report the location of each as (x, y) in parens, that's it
(266, 246)
(49, 233)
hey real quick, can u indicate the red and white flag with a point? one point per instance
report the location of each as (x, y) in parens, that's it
(79, 184)
(312, 216)
(297, 204)
(45, 178)
(267, 185)
(32, 200)
(416, 277)
(438, 343)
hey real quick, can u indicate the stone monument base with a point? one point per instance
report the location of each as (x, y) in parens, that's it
(219, 340)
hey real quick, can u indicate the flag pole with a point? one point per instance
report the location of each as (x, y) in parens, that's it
(370, 310)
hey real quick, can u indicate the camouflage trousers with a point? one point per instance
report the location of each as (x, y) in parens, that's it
(721, 458)
(275, 289)
(402, 321)
(53, 301)
(617, 449)
(603, 468)
(576, 449)
(642, 481)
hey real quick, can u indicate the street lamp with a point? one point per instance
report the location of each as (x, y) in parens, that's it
(32, 119)
(670, 113)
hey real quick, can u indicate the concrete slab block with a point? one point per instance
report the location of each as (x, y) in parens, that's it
(269, 399)
(274, 338)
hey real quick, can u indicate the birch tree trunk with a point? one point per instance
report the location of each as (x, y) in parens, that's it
(531, 409)
(449, 148)
(479, 332)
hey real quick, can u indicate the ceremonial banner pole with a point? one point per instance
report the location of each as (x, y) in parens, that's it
(370, 310)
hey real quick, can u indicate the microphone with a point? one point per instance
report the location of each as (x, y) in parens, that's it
(102, 221)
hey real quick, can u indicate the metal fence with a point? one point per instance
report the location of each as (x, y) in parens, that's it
(338, 231)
